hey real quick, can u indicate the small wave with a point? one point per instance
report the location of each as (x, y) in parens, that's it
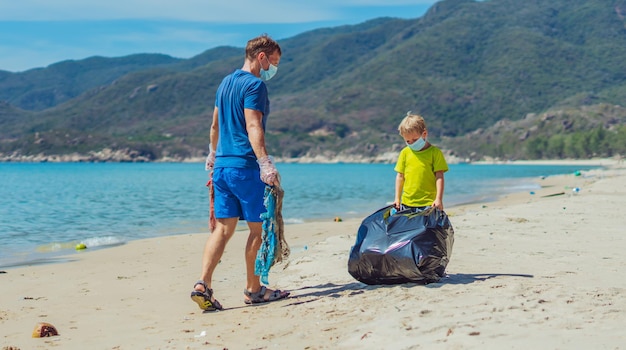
(95, 242)
(293, 221)
(103, 241)
(55, 247)
(523, 188)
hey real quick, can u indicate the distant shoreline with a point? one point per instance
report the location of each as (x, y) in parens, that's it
(126, 156)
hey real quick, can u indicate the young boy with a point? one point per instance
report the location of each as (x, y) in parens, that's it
(420, 167)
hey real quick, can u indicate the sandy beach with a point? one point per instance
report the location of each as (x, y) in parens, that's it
(539, 270)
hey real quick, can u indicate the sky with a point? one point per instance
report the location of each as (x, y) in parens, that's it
(37, 33)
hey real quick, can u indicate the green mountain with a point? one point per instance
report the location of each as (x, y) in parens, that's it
(341, 92)
(41, 88)
(597, 130)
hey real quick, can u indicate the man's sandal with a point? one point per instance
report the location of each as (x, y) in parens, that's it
(259, 297)
(203, 299)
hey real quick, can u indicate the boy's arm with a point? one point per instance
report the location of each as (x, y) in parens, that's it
(439, 184)
(399, 185)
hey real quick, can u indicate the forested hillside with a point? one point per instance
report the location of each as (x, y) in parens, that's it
(468, 67)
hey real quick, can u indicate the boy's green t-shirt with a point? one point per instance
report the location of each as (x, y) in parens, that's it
(419, 170)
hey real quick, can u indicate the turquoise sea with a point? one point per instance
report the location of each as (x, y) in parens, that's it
(48, 208)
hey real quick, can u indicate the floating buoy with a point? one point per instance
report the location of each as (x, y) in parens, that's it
(81, 246)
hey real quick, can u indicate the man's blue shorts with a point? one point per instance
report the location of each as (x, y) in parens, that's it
(238, 193)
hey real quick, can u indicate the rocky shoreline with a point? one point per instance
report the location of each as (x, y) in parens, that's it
(106, 155)
(130, 156)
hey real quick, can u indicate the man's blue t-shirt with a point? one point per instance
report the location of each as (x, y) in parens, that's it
(238, 91)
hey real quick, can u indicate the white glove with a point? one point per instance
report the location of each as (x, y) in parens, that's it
(269, 173)
(210, 161)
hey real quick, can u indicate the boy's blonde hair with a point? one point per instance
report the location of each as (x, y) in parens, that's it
(412, 123)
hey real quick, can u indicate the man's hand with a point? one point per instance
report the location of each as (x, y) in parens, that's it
(210, 161)
(269, 173)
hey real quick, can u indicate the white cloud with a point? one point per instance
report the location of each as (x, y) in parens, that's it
(232, 11)
(36, 33)
(376, 2)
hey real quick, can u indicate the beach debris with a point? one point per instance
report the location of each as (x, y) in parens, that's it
(10, 348)
(299, 248)
(81, 246)
(212, 219)
(575, 190)
(202, 334)
(44, 329)
(519, 220)
(553, 194)
(274, 248)
(577, 173)
(338, 219)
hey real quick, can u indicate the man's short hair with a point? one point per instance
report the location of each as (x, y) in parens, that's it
(262, 43)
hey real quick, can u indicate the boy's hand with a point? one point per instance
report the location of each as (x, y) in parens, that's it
(438, 204)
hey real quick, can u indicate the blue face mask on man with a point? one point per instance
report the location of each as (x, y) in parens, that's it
(417, 145)
(270, 72)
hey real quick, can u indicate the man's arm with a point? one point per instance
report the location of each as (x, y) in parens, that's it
(214, 133)
(213, 136)
(256, 135)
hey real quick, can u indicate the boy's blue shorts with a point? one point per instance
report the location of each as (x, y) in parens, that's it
(238, 193)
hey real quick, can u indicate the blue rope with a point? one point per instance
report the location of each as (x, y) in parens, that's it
(267, 251)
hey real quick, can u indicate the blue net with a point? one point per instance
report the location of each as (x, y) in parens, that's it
(267, 252)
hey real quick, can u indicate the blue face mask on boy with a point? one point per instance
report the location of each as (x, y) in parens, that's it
(417, 145)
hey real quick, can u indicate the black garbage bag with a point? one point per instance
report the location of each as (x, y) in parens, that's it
(412, 245)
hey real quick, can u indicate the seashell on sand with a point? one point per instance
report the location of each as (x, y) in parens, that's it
(44, 329)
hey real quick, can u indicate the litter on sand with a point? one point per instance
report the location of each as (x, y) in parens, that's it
(274, 248)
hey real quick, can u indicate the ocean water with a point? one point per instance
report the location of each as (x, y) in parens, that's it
(46, 209)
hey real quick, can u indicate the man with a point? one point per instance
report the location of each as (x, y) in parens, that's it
(240, 168)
